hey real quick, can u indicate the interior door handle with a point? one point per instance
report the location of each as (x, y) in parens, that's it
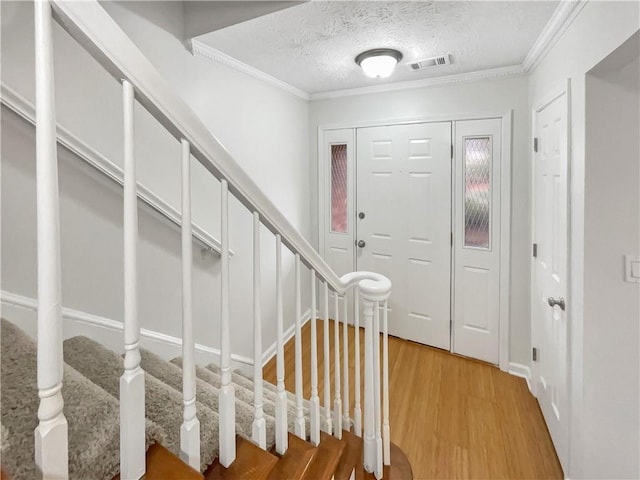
(361, 243)
(556, 301)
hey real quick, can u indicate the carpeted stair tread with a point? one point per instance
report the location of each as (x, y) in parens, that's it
(350, 457)
(294, 463)
(207, 394)
(324, 463)
(163, 404)
(161, 464)
(251, 463)
(94, 453)
(270, 393)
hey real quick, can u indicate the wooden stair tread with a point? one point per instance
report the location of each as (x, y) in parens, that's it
(294, 463)
(400, 468)
(161, 464)
(324, 463)
(251, 463)
(350, 457)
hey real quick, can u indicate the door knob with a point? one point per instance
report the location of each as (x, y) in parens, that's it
(361, 243)
(556, 301)
(361, 215)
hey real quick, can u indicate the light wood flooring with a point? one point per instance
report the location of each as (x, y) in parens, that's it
(453, 417)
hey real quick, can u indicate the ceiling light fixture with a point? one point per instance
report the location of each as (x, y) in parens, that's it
(379, 62)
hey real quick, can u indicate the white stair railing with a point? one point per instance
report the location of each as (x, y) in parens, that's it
(51, 442)
(337, 403)
(300, 422)
(259, 435)
(97, 32)
(282, 440)
(190, 430)
(132, 391)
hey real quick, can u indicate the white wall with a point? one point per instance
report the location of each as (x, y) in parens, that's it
(493, 96)
(612, 306)
(598, 30)
(264, 128)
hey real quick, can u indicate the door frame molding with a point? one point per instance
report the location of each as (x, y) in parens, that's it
(538, 105)
(505, 200)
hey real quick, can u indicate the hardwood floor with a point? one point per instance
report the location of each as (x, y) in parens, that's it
(453, 417)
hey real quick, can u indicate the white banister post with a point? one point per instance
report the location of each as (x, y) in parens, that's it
(376, 389)
(282, 439)
(346, 421)
(386, 431)
(327, 360)
(259, 434)
(132, 390)
(190, 429)
(369, 416)
(51, 436)
(300, 423)
(337, 404)
(314, 408)
(357, 412)
(226, 394)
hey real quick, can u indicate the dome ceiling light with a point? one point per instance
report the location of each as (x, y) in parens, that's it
(379, 62)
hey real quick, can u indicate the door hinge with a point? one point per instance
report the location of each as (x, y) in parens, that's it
(534, 354)
(452, 151)
(452, 239)
(535, 145)
(535, 250)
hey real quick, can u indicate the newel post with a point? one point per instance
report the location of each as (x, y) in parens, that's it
(372, 294)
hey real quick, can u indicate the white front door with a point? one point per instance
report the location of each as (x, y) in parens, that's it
(549, 317)
(404, 224)
(476, 290)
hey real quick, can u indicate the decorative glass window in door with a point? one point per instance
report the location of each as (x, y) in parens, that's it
(339, 188)
(477, 192)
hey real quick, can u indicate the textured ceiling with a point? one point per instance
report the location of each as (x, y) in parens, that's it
(312, 46)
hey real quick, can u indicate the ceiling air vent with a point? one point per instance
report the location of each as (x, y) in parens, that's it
(431, 62)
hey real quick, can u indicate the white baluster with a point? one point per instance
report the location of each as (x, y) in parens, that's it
(376, 388)
(346, 421)
(337, 403)
(327, 362)
(386, 431)
(369, 416)
(281, 400)
(314, 409)
(51, 439)
(259, 434)
(132, 410)
(300, 423)
(190, 429)
(357, 412)
(226, 394)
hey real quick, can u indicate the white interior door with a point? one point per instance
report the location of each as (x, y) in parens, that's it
(476, 291)
(549, 318)
(404, 194)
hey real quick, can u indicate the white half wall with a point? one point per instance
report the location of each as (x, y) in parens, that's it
(265, 129)
(488, 97)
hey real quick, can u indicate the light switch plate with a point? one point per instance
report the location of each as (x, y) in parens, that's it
(632, 268)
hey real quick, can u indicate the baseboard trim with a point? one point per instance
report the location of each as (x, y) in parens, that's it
(289, 333)
(80, 320)
(520, 370)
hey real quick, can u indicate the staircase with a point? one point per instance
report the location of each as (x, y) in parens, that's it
(92, 375)
(74, 409)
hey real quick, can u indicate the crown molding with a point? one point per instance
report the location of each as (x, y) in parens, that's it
(509, 71)
(203, 50)
(560, 20)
